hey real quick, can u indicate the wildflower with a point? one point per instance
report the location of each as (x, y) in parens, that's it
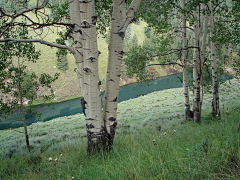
(55, 160)
(174, 131)
(50, 159)
(60, 155)
(72, 177)
(154, 142)
(165, 133)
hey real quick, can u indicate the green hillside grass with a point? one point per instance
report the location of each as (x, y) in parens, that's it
(152, 142)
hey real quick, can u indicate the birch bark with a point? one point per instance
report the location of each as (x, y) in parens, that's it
(75, 16)
(91, 94)
(205, 17)
(120, 22)
(185, 68)
(196, 69)
(215, 99)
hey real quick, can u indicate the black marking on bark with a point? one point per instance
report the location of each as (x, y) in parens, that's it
(121, 52)
(119, 75)
(112, 119)
(80, 53)
(111, 80)
(84, 1)
(99, 84)
(92, 59)
(87, 70)
(107, 111)
(121, 34)
(115, 100)
(80, 31)
(94, 20)
(112, 131)
(99, 53)
(90, 126)
(90, 119)
(83, 102)
(87, 85)
(85, 24)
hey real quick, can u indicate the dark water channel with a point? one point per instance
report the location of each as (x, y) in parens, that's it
(72, 107)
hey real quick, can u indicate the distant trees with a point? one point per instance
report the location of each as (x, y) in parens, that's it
(84, 15)
(189, 23)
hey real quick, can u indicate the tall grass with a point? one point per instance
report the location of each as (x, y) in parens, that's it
(178, 150)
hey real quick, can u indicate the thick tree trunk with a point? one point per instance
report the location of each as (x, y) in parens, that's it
(188, 113)
(91, 93)
(114, 68)
(215, 99)
(120, 22)
(196, 70)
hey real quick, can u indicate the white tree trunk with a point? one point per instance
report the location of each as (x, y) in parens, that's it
(185, 67)
(91, 94)
(205, 17)
(120, 21)
(196, 69)
(75, 16)
(215, 99)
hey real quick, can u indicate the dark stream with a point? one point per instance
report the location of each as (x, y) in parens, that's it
(72, 107)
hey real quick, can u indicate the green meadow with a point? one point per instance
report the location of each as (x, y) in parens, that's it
(153, 141)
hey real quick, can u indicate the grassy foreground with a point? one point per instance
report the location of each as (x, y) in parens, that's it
(152, 142)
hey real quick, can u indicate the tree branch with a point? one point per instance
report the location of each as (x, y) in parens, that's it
(39, 41)
(130, 13)
(164, 64)
(17, 14)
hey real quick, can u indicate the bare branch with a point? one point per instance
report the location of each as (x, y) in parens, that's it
(165, 64)
(39, 41)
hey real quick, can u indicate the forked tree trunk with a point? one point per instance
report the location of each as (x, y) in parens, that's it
(100, 127)
(188, 112)
(215, 99)
(196, 69)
